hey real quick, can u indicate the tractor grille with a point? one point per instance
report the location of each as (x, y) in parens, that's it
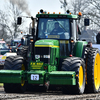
(44, 53)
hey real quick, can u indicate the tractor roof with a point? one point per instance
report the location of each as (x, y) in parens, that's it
(57, 16)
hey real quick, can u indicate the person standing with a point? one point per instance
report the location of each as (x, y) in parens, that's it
(89, 44)
(98, 38)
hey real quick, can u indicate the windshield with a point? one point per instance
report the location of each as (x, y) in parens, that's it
(3, 46)
(54, 28)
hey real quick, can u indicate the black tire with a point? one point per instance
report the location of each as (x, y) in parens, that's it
(23, 51)
(14, 63)
(93, 71)
(78, 65)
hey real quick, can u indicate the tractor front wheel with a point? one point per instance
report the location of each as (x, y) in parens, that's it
(14, 63)
(78, 65)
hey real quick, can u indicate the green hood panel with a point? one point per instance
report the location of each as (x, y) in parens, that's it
(47, 43)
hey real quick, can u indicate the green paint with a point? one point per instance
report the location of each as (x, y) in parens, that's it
(48, 42)
(78, 49)
(57, 15)
(54, 45)
(11, 76)
(52, 68)
(41, 77)
(62, 78)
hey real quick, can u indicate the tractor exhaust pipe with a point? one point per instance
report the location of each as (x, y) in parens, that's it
(33, 43)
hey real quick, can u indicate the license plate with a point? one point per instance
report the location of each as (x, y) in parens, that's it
(35, 77)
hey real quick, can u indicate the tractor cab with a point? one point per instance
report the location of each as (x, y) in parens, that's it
(61, 27)
(51, 28)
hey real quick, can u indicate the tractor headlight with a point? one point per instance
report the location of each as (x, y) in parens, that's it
(37, 56)
(46, 56)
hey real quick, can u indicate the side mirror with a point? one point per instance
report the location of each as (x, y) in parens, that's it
(86, 22)
(19, 20)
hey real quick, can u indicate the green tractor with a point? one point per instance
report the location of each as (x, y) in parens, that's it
(23, 49)
(54, 58)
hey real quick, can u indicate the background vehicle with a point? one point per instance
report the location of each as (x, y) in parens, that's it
(54, 60)
(15, 43)
(4, 49)
(25, 42)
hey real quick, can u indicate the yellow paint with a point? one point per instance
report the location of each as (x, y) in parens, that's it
(23, 67)
(3, 57)
(80, 76)
(36, 65)
(97, 71)
(64, 42)
(46, 46)
(22, 81)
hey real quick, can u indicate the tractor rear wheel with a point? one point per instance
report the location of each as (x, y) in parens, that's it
(78, 65)
(23, 52)
(93, 71)
(14, 63)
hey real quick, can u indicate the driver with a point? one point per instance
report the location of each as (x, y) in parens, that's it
(56, 30)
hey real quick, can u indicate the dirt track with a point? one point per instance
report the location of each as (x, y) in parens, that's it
(49, 95)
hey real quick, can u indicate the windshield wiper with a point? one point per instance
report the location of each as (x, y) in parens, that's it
(61, 25)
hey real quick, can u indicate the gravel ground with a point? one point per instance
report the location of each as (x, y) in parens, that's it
(49, 95)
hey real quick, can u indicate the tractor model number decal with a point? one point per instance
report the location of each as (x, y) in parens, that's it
(36, 65)
(34, 77)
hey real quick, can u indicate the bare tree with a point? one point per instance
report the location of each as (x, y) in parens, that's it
(94, 13)
(89, 8)
(8, 19)
(64, 5)
(3, 32)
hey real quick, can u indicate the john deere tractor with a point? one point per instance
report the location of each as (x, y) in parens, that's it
(55, 57)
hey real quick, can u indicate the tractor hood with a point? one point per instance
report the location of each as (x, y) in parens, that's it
(47, 43)
(47, 50)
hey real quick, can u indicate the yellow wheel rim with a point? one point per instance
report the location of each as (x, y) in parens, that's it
(22, 81)
(97, 71)
(80, 76)
(23, 67)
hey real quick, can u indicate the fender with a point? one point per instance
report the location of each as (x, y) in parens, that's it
(79, 49)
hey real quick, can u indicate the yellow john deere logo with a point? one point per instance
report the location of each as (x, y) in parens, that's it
(36, 65)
